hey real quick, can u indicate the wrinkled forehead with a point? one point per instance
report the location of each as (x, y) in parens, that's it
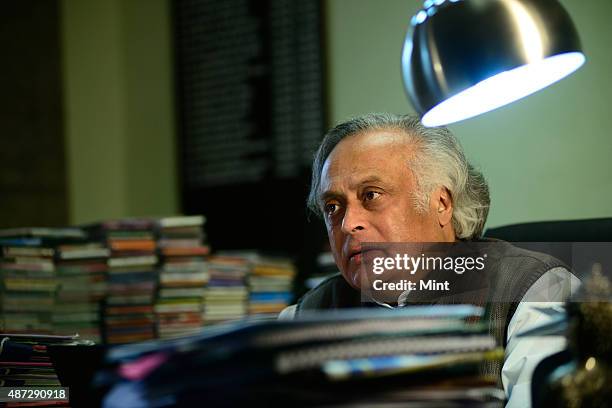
(361, 145)
(383, 154)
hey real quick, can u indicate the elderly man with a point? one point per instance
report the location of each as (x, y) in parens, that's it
(387, 178)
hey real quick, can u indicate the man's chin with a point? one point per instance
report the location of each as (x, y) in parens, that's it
(353, 278)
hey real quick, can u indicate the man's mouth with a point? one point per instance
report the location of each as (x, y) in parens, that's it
(357, 256)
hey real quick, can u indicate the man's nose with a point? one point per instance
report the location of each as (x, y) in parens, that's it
(353, 220)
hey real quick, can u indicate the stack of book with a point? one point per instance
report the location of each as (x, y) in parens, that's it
(27, 277)
(270, 285)
(25, 363)
(183, 275)
(132, 279)
(81, 272)
(226, 294)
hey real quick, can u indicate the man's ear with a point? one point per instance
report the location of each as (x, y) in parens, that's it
(443, 205)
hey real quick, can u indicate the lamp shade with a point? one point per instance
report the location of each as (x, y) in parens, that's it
(462, 58)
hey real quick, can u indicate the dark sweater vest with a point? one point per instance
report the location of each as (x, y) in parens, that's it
(510, 273)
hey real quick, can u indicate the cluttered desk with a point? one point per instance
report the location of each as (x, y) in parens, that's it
(415, 355)
(418, 356)
(421, 355)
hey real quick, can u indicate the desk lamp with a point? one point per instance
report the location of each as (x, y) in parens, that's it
(462, 58)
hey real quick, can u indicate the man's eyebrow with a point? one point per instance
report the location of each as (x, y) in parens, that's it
(329, 194)
(367, 180)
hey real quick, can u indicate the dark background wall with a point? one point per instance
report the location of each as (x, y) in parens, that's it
(32, 160)
(250, 92)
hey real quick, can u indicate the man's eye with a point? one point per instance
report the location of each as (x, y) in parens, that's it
(330, 209)
(371, 195)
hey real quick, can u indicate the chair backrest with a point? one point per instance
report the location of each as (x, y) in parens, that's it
(591, 230)
(592, 240)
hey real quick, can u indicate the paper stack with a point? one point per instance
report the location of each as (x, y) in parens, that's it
(183, 275)
(419, 356)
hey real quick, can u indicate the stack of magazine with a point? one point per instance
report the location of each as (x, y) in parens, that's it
(419, 356)
(132, 278)
(183, 275)
(81, 272)
(226, 293)
(28, 277)
(270, 284)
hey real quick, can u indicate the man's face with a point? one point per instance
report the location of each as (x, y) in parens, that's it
(367, 195)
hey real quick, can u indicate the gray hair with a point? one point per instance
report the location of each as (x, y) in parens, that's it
(440, 161)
